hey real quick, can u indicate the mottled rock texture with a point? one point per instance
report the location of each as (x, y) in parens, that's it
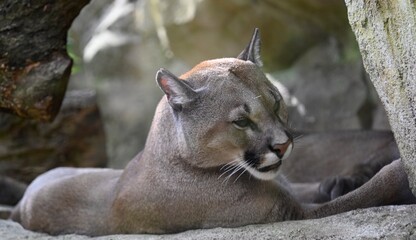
(75, 138)
(386, 34)
(394, 222)
(327, 92)
(34, 64)
(29, 148)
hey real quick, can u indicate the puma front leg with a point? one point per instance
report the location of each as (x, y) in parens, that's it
(388, 186)
(333, 187)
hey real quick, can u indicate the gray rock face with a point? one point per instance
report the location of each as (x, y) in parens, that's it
(34, 64)
(391, 222)
(385, 32)
(75, 138)
(121, 53)
(327, 92)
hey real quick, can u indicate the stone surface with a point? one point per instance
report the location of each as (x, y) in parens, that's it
(385, 31)
(34, 65)
(5, 211)
(75, 138)
(11, 190)
(288, 29)
(121, 55)
(329, 92)
(391, 222)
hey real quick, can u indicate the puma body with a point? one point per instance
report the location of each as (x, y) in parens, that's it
(176, 183)
(211, 159)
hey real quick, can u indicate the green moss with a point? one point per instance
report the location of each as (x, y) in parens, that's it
(77, 60)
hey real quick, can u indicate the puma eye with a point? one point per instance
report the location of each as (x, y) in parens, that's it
(242, 123)
(277, 108)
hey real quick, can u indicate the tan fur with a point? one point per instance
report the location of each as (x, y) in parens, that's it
(180, 180)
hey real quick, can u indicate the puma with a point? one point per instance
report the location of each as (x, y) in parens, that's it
(212, 159)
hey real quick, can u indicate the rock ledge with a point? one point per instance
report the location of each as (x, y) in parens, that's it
(391, 222)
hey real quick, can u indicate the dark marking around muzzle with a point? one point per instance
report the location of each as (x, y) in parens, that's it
(252, 158)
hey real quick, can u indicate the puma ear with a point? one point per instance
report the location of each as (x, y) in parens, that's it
(177, 91)
(252, 51)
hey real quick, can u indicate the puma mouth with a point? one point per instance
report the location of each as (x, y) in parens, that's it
(270, 167)
(263, 167)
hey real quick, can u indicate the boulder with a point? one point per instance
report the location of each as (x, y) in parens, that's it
(121, 54)
(327, 91)
(385, 31)
(75, 138)
(390, 222)
(34, 64)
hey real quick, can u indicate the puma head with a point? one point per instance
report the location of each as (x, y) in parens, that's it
(229, 114)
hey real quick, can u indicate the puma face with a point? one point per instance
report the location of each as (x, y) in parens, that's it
(260, 121)
(229, 115)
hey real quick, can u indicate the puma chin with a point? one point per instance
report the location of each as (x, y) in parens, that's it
(263, 166)
(267, 166)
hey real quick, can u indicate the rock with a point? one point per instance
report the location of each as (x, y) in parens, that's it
(288, 29)
(122, 71)
(325, 91)
(34, 65)
(75, 138)
(5, 211)
(390, 222)
(385, 31)
(11, 190)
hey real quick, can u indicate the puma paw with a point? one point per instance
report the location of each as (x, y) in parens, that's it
(334, 187)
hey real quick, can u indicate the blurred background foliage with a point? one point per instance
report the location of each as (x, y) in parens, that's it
(308, 49)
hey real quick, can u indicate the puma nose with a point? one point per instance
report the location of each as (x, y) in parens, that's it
(281, 148)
